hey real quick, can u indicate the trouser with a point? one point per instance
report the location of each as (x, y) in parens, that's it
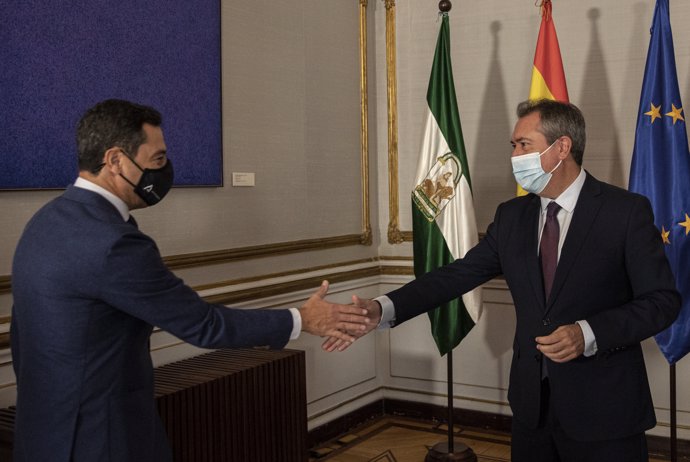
(549, 443)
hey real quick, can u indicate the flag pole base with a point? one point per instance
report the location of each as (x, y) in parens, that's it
(461, 452)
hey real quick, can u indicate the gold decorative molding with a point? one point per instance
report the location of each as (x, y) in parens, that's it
(366, 237)
(394, 233)
(267, 250)
(5, 336)
(5, 284)
(237, 296)
(284, 274)
(215, 257)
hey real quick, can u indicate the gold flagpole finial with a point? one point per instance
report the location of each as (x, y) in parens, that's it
(544, 7)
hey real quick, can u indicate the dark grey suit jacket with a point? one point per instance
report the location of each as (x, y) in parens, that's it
(87, 288)
(612, 272)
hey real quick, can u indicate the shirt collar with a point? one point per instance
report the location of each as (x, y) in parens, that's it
(568, 198)
(118, 203)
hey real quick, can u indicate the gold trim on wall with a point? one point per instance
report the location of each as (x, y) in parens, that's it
(366, 237)
(394, 234)
(5, 284)
(5, 336)
(213, 257)
(237, 296)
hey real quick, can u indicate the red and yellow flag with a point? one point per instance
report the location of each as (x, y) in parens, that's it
(548, 78)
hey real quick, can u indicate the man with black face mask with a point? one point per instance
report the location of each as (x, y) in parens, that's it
(88, 288)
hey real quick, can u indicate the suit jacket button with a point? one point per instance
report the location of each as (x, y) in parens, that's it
(546, 322)
(537, 357)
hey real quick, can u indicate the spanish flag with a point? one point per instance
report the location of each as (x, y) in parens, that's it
(548, 78)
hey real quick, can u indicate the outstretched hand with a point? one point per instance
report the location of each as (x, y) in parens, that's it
(373, 309)
(323, 318)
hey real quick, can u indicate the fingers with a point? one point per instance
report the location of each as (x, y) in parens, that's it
(355, 329)
(323, 289)
(335, 344)
(340, 335)
(564, 344)
(352, 311)
(373, 308)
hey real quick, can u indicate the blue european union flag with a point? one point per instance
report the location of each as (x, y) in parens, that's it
(661, 169)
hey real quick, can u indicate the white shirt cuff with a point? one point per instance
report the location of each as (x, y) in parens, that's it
(296, 323)
(590, 340)
(387, 312)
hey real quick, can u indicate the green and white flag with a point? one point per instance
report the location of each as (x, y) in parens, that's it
(444, 225)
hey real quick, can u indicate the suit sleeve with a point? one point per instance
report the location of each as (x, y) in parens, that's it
(480, 264)
(135, 280)
(656, 302)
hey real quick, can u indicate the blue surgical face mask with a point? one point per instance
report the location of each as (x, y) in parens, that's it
(529, 173)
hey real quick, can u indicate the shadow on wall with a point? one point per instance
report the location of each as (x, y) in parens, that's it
(637, 55)
(602, 153)
(491, 166)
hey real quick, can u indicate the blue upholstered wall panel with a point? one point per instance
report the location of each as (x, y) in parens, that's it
(58, 58)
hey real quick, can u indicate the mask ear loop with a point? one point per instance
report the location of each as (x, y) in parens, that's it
(135, 164)
(559, 162)
(550, 146)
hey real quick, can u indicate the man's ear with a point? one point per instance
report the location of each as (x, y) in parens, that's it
(112, 160)
(565, 144)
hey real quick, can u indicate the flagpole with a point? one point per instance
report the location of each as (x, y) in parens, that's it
(674, 428)
(451, 426)
(450, 450)
(447, 451)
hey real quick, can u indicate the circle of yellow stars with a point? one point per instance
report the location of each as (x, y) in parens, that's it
(685, 224)
(676, 113)
(655, 113)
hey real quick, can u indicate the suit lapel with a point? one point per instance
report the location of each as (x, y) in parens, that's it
(532, 263)
(586, 210)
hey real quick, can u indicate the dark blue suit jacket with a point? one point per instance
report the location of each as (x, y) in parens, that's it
(612, 273)
(87, 288)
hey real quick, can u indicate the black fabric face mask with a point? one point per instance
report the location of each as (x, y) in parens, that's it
(154, 183)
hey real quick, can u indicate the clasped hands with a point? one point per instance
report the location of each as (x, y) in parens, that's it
(342, 324)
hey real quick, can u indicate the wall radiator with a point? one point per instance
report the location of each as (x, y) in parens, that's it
(229, 405)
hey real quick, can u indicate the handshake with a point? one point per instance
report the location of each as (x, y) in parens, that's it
(342, 324)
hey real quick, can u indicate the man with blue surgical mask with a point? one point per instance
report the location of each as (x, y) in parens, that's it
(590, 281)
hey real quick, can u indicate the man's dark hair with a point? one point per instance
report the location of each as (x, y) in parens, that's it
(558, 119)
(112, 123)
